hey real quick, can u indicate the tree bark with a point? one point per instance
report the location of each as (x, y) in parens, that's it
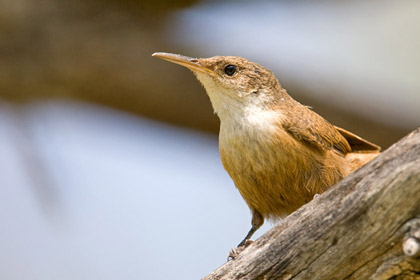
(365, 227)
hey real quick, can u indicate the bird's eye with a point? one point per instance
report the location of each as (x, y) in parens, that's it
(230, 69)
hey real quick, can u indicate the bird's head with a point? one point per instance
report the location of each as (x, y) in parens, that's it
(233, 84)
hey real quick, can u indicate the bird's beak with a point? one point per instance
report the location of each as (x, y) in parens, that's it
(189, 62)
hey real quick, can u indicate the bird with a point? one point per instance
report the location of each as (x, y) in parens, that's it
(278, 152)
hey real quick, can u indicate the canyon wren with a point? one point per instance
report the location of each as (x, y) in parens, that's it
(278, 152)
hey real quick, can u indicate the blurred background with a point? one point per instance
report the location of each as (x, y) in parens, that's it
(109, 159)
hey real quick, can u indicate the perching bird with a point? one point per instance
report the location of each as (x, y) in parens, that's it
(278, 152)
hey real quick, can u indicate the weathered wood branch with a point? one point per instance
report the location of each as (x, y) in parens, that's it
(365, 227)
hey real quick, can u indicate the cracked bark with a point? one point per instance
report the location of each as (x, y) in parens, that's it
(355, 230)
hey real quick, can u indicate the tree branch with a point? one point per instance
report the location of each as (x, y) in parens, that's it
(355, 230)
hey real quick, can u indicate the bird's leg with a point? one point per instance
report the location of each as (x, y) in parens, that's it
(257, 222)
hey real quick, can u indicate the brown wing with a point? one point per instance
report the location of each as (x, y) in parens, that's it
(306, 125)
(357, 143)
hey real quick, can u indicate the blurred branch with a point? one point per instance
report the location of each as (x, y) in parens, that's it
(33, 164)
(356, 230)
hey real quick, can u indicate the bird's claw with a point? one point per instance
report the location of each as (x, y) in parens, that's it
(234, 253)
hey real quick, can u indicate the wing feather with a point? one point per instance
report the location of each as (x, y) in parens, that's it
(313, 129)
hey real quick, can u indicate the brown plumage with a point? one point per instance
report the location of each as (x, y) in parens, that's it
(278, 152)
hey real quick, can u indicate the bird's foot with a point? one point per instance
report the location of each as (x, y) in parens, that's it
(235, 252)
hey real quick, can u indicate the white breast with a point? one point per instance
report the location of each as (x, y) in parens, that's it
(255, 123)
